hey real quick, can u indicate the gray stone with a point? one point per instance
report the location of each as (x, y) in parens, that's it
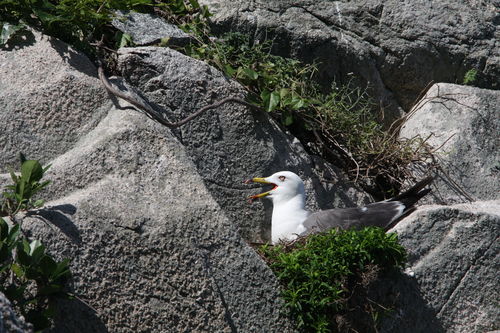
(398, 47)
(147, 29)
(454, 256)
(49, 97)
(232, 143)
(10, 322)
(464, 123)
(150, 249)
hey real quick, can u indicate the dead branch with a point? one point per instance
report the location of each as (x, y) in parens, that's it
(154, 114)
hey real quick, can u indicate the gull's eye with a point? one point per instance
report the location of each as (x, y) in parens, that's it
(282, 178)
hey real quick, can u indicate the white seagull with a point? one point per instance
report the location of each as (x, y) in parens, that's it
(291, 219)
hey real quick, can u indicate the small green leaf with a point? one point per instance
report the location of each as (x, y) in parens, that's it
(38, 203)
(62, 270)
(284, 92)
(298, 104)
(229, 70)
(250, 73)
(4, 229)
(8, 31)
(31, 171)
(47, 167)
(125, 40)
(17, 270)
(14, 234)
(48, 267)
(34, 246)
(287, 118)
(194, 4)
(274, 100)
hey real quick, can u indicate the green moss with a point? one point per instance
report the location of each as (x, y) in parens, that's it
(315, 273)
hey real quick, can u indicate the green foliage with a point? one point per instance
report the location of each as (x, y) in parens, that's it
(316, 271)
(29, 277)
(341, 123)
(278, 84)
(81, 22)
(470, 77)
(20, 195)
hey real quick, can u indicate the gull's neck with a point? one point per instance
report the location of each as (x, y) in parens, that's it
(288, 216)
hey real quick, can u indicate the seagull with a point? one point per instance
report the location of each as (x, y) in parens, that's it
(290, 218)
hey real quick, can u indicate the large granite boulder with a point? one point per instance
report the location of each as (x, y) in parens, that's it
(454, 255)
(233, 142)
(398, 47)
(148, 29)
(150, 249)
(44, 84)
(463, 125)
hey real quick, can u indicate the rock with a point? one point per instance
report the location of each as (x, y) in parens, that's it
(10, 322)
(150, 249)
(453, 254)
(231, 143)
(465, 123)
(49, 97)
(147, 29)
(397, 47)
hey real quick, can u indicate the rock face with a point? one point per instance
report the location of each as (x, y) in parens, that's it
(465, 123)
(9, 321)
(43, 84)
(146, 29)
(454, 255)
(396, 46)
(232, 143)
(150, 249)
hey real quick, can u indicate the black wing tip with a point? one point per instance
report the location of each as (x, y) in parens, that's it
(415, 193)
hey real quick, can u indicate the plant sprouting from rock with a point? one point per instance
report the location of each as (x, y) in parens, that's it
(20, 195)
(470, 77)
(29, 277)
(318, 273)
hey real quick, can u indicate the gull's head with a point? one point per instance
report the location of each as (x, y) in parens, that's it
(286, 185)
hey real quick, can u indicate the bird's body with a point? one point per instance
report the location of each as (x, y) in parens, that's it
(290, 218)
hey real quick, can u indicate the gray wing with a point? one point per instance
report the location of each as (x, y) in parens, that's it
(380, 214)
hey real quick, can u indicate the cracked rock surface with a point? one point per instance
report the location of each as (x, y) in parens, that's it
(150, 249)
(232, 143)
(399, 47)
(462, 124)
(454, 255)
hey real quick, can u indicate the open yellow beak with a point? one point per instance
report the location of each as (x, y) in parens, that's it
(262, 181)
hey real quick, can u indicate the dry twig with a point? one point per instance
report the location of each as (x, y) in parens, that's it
(154, 114)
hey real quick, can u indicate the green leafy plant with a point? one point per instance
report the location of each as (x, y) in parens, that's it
(84, 22)
(341, 124)
(470, 77)
(20, 195)
(317, 272)
(29, 277)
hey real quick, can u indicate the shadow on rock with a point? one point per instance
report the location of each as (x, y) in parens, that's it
(77, 317)
(73, 58)
(386, 302)
(20, 40)
(411, 313)
(57, 215)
